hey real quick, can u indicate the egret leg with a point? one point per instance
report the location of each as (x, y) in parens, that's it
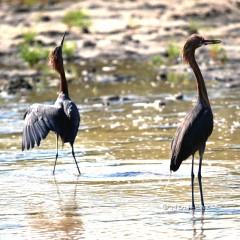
(56, 155)
(200, 176)
(192, 182)
(73, 154)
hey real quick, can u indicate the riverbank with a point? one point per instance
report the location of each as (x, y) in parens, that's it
(138, 30)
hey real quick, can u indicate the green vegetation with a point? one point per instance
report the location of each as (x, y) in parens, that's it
(194, 26)
(28, 37)
(77, 18)
(173, 51)
(30, 2)
(172, 54)
(69, 49)
(157, 60)
(177, 77)
(218, 53)
(32, 55)
(30, 51)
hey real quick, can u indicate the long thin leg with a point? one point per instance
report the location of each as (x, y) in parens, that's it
(56, 155)
(200, 175)
(73, 154)
(192, 182)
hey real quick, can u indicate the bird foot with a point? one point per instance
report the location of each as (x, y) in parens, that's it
(192, 208)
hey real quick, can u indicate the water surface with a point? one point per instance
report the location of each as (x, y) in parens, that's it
(126, 190)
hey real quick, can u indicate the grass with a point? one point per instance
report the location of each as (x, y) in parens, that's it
(157, 60)
(194, 26)
(69, 49)
(30, 2)
(172, 55)
(33, 55)
(177, 77)
(31, 52)
(29, 36)
(173, 51)
(77, 18)
(218, 53)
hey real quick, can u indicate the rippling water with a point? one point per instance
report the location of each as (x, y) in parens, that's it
(126, 190)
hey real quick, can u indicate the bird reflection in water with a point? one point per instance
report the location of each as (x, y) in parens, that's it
(198, 226)
(61, 215)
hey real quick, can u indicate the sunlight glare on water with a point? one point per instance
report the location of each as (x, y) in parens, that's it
(126, 190)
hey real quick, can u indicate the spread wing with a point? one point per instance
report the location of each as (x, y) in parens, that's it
(39, 120)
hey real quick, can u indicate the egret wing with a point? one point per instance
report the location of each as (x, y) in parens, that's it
(191, 134)
(38, 121)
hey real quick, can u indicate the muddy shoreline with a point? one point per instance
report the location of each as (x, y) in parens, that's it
(119, 31)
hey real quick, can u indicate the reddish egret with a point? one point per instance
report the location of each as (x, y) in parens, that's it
(197, 126)
(62, 118)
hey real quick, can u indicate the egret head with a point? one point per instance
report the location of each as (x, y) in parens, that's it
(55, 57)
(193, 42)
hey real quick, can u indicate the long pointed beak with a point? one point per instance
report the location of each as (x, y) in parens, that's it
(206, 42)
(63, 39)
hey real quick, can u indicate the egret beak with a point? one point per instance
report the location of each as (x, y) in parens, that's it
(206, 42)
(63, 39)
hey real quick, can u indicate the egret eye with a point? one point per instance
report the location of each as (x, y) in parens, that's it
(202, 41)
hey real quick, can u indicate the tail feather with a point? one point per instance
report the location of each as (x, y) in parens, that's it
(175, 163)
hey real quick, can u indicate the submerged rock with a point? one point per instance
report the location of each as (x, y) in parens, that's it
(115, 78)
(179, 96)
(233, 84)
(14, 85)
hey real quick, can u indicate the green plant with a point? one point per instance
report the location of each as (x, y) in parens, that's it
(218, 53)
(157, 60)
(30, 2)
(77, 18)
(32, 55)
(177, 77)
(29, 36)
(173, 51)
(194, 26)
(69, 49)
(30, 51)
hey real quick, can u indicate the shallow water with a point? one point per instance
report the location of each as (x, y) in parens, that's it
(125, 190)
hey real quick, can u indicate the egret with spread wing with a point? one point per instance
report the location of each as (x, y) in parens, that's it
(62, 118)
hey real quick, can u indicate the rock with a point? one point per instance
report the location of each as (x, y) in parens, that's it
(16, 84)
(233, 84)
(89, 44)
(85, 30)
(159, 103)
(154, 6)
(113, 78)
(45, 18)
(109, 26)
(179, 96)
(162, 76)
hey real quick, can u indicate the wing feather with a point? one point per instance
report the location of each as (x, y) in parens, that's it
(191, 134)
(38, 121)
